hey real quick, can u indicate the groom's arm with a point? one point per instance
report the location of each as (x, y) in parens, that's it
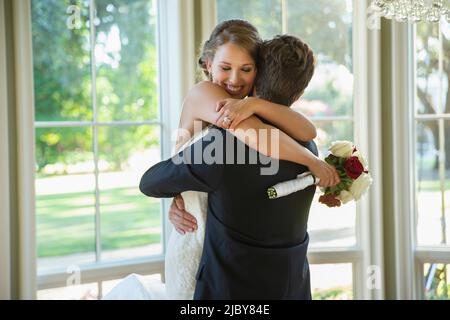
(181, 173)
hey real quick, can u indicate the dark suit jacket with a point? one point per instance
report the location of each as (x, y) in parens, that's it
(255, 248)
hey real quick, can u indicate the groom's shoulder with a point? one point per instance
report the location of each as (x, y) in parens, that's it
(311, 146)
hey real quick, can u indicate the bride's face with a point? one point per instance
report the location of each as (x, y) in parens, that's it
(233, 69)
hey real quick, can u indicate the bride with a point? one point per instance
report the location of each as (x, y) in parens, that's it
(228, 60)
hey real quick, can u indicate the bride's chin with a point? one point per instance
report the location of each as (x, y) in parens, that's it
(238, 95)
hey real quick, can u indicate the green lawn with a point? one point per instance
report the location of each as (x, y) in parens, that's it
(337, 293)
(66, 222)
(433, 185)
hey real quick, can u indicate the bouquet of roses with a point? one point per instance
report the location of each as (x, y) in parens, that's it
(352, 170)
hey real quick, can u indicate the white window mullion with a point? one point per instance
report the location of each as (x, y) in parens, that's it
(66, 124)
(209, 18)
(403, 171)
(334, 255)
(419, 279)
(442, 141)
(103, 271)
(284, 16)
(98, 239)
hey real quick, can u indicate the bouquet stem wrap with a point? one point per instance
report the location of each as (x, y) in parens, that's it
(285, 188)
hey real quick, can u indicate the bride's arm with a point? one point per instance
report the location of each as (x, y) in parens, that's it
(273, 142)
(293, 123)
(200, 105)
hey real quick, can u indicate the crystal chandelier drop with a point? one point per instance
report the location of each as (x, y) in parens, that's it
(413, 10)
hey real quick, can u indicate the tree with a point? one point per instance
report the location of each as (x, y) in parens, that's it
(265, 15)
(326, 26)
(427, 69)
(126, 77)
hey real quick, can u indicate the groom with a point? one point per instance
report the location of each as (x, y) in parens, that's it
(254, 248)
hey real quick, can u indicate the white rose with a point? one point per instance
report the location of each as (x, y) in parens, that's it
(360, 158)
(360, 185)
(345, 196)
(341, 149)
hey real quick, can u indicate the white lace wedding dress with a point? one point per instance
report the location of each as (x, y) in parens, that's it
(184, 251)
(182, 257)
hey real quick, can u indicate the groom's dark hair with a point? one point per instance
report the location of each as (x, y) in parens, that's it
(285, 66)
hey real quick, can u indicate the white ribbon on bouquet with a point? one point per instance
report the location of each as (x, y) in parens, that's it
(285, 188)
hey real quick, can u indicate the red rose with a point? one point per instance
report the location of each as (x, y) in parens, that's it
(353, 167)
(330, 200)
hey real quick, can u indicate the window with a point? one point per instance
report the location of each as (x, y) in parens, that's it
(325, 285)
(436, 281)
(97, 130)
(432, 150)
(327, 26)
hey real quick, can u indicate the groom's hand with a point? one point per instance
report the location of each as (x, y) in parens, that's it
(182, 220)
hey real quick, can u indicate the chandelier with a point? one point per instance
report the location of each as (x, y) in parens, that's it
(413, 10)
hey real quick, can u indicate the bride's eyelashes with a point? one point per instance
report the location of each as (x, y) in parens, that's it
(246, 70)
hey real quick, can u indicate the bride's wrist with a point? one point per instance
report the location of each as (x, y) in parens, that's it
(311, 161)
(252, 104)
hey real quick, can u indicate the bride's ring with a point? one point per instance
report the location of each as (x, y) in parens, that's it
(226, 120)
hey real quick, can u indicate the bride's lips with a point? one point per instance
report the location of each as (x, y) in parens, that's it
(234, 90)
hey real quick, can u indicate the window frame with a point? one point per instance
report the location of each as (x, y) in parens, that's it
(421, 253)
(175, 78)
(367, 93)
(180, 76)
(410, 257)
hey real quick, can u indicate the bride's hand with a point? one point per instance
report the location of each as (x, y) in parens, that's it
(326, 173)
(182, 220)
(233, 111)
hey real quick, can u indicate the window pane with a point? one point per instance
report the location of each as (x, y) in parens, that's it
(329, 94)
(130, 222)
(332, 281)
(326, 26)
(446, 198)
(61, 58)
(437, 281)
(265, 15)
(427, 63)
(65, 184)
(431, 223)
(332, 227)
(126, 60)
(329, 131)
(445, 29)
